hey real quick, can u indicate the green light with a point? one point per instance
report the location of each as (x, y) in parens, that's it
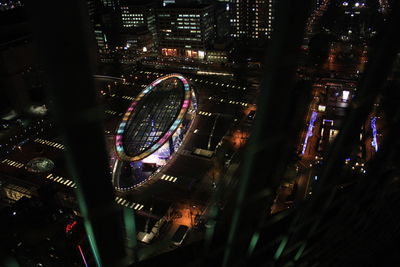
(86, 220)
(281, 248)
(298, 254)
(253, 243)
(239, 203)
(130, 227)
(11, 262)
(94, 249)
(210, 230)
(129, 220)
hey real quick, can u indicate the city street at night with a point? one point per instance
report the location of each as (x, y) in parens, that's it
(198, 133)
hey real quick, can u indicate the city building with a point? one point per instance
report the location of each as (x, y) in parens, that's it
(91, 5)
(186, 2)
(10, 4)
(217, 56)
(316, 4)
(185, 31)
(138, 14)
(110, 3)
(139, 42)
(222, 24)
(220, 52)
(101, 38)
(252, 19)
(105, 53)
(128, 169)
(18, 66)
(167, 2)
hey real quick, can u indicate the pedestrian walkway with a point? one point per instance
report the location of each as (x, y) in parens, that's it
(169, 178)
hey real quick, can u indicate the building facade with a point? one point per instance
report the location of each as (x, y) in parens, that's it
(217, 56)
(138, 14)
(110, 3)
(251, 19)
(139, 43)
(184, 31)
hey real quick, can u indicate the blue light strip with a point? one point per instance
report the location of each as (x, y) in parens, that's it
(309, 131)
(374, 139)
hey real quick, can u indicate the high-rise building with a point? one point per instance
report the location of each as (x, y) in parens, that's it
(167, 2)
(101, 38)
(315, 4)
(252, 18)
(187, 2)
(17, 61)
(10, 4)
(138, 14)
(124, 30)
(221, 21)
(185, 30)
(91, 4)
(110, 3)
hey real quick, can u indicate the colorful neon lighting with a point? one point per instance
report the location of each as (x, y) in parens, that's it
(69, 227)
(374, 139)
(131, 110)
(83, 256)
(309, 131)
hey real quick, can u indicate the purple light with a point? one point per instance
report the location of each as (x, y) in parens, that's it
(83, 256)
(374, 139)
(309, 131)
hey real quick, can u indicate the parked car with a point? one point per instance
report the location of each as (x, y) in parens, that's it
(180, 235)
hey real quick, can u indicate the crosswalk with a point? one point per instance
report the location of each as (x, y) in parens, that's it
(228, 101)
(119, 200)
(204, 113)
(70, 183)
(238, 103)
(128, 97)
(49, 143)
(111, 112)
(128, 204)
(61, 180)
(169, 178)
(13, 163)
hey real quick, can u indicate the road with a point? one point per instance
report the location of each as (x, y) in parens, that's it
(188, 181)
